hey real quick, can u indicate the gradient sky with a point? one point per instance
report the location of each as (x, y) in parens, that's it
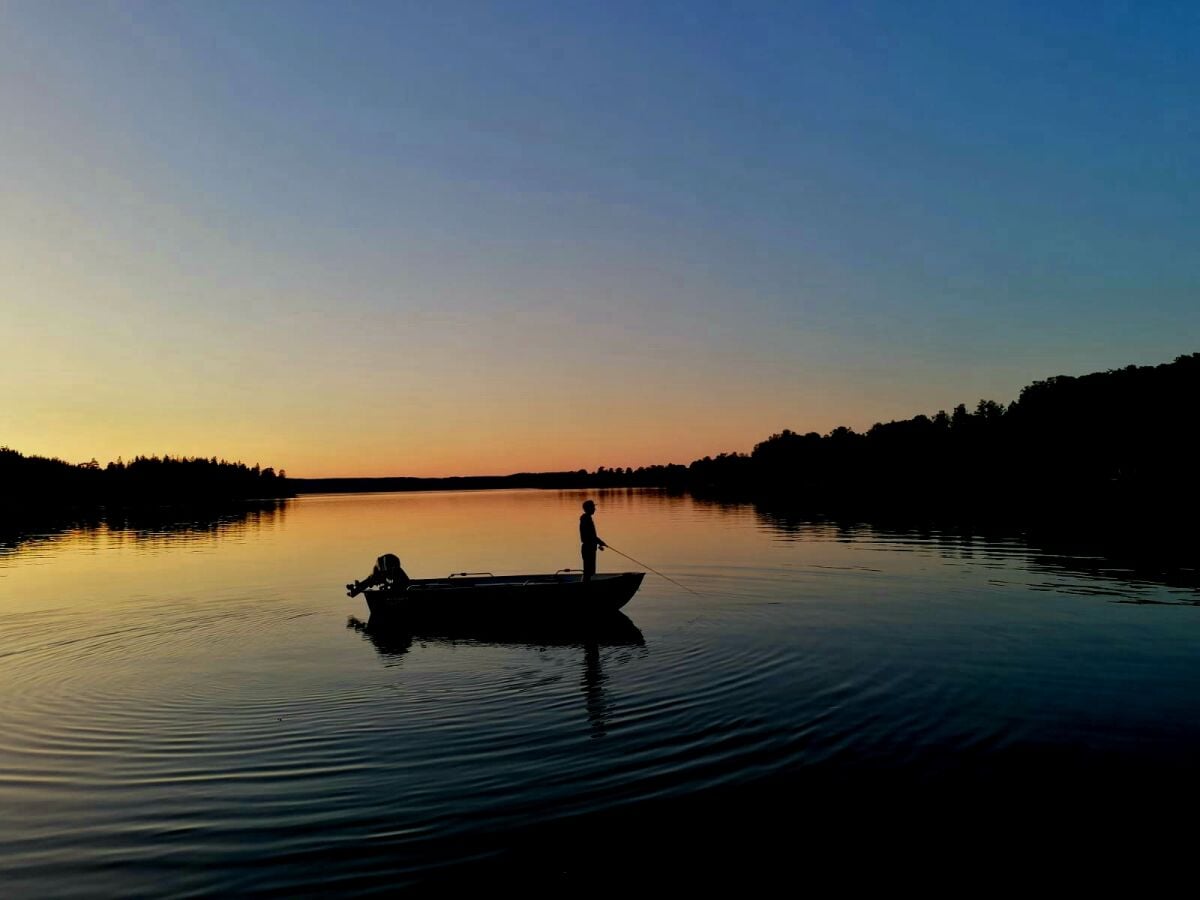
(458, 238)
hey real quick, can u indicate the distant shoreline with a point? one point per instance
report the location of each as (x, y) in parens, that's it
(400, 484)
(1118, 442)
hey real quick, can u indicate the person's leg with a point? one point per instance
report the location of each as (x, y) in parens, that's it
(589, 561)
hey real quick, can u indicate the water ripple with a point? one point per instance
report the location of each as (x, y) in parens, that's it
(238, 738)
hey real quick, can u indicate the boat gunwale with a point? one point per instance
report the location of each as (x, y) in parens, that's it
(423, 585)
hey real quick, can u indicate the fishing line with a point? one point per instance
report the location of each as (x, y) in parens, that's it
(652, 569)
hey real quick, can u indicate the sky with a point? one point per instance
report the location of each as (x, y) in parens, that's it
(478, 238)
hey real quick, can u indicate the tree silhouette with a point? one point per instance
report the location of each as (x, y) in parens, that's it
(36, 481)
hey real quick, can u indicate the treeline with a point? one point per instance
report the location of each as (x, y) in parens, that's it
(33, 482)
(1122, 436)
(1124, 439)
(649, 476)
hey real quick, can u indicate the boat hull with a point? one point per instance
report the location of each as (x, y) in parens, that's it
(507, 598)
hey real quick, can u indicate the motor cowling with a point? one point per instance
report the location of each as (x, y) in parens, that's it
(387, 568)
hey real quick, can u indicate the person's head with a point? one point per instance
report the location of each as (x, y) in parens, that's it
(589, 507)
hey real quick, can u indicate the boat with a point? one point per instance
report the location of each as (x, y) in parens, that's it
(484, 597)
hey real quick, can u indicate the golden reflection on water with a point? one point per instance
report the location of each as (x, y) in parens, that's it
(507, 532)
(113, 561)
(329, 540)
(197, 678)
(310, 547)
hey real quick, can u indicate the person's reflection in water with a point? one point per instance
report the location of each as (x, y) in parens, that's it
(394, 640)
(589, 540)
(593, 689)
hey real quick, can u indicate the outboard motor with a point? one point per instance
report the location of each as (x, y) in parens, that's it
(387, 574)
(387, 569)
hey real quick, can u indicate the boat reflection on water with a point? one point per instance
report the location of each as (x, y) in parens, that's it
(393, 638)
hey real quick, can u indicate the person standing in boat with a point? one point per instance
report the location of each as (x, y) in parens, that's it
(589, 540)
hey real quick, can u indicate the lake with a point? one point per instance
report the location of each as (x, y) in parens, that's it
(194, 707)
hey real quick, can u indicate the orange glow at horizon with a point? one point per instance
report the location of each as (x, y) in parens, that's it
(335, 447)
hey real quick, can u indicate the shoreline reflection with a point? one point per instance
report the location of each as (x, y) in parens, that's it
(1137, 556)
(146, 525)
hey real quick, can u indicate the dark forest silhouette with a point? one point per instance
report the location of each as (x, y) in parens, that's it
(37, 483)
(1109, 436)
(649, 476)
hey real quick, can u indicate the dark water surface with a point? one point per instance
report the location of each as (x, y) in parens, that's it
(199, 710)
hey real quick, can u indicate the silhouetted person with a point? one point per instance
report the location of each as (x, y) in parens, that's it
(387, 573)
(589, 540)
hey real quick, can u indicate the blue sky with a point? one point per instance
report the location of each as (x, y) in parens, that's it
(595, 233)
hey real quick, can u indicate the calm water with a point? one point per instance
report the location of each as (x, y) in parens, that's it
(199, 709)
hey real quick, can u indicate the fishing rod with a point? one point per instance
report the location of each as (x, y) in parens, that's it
(652, 569)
